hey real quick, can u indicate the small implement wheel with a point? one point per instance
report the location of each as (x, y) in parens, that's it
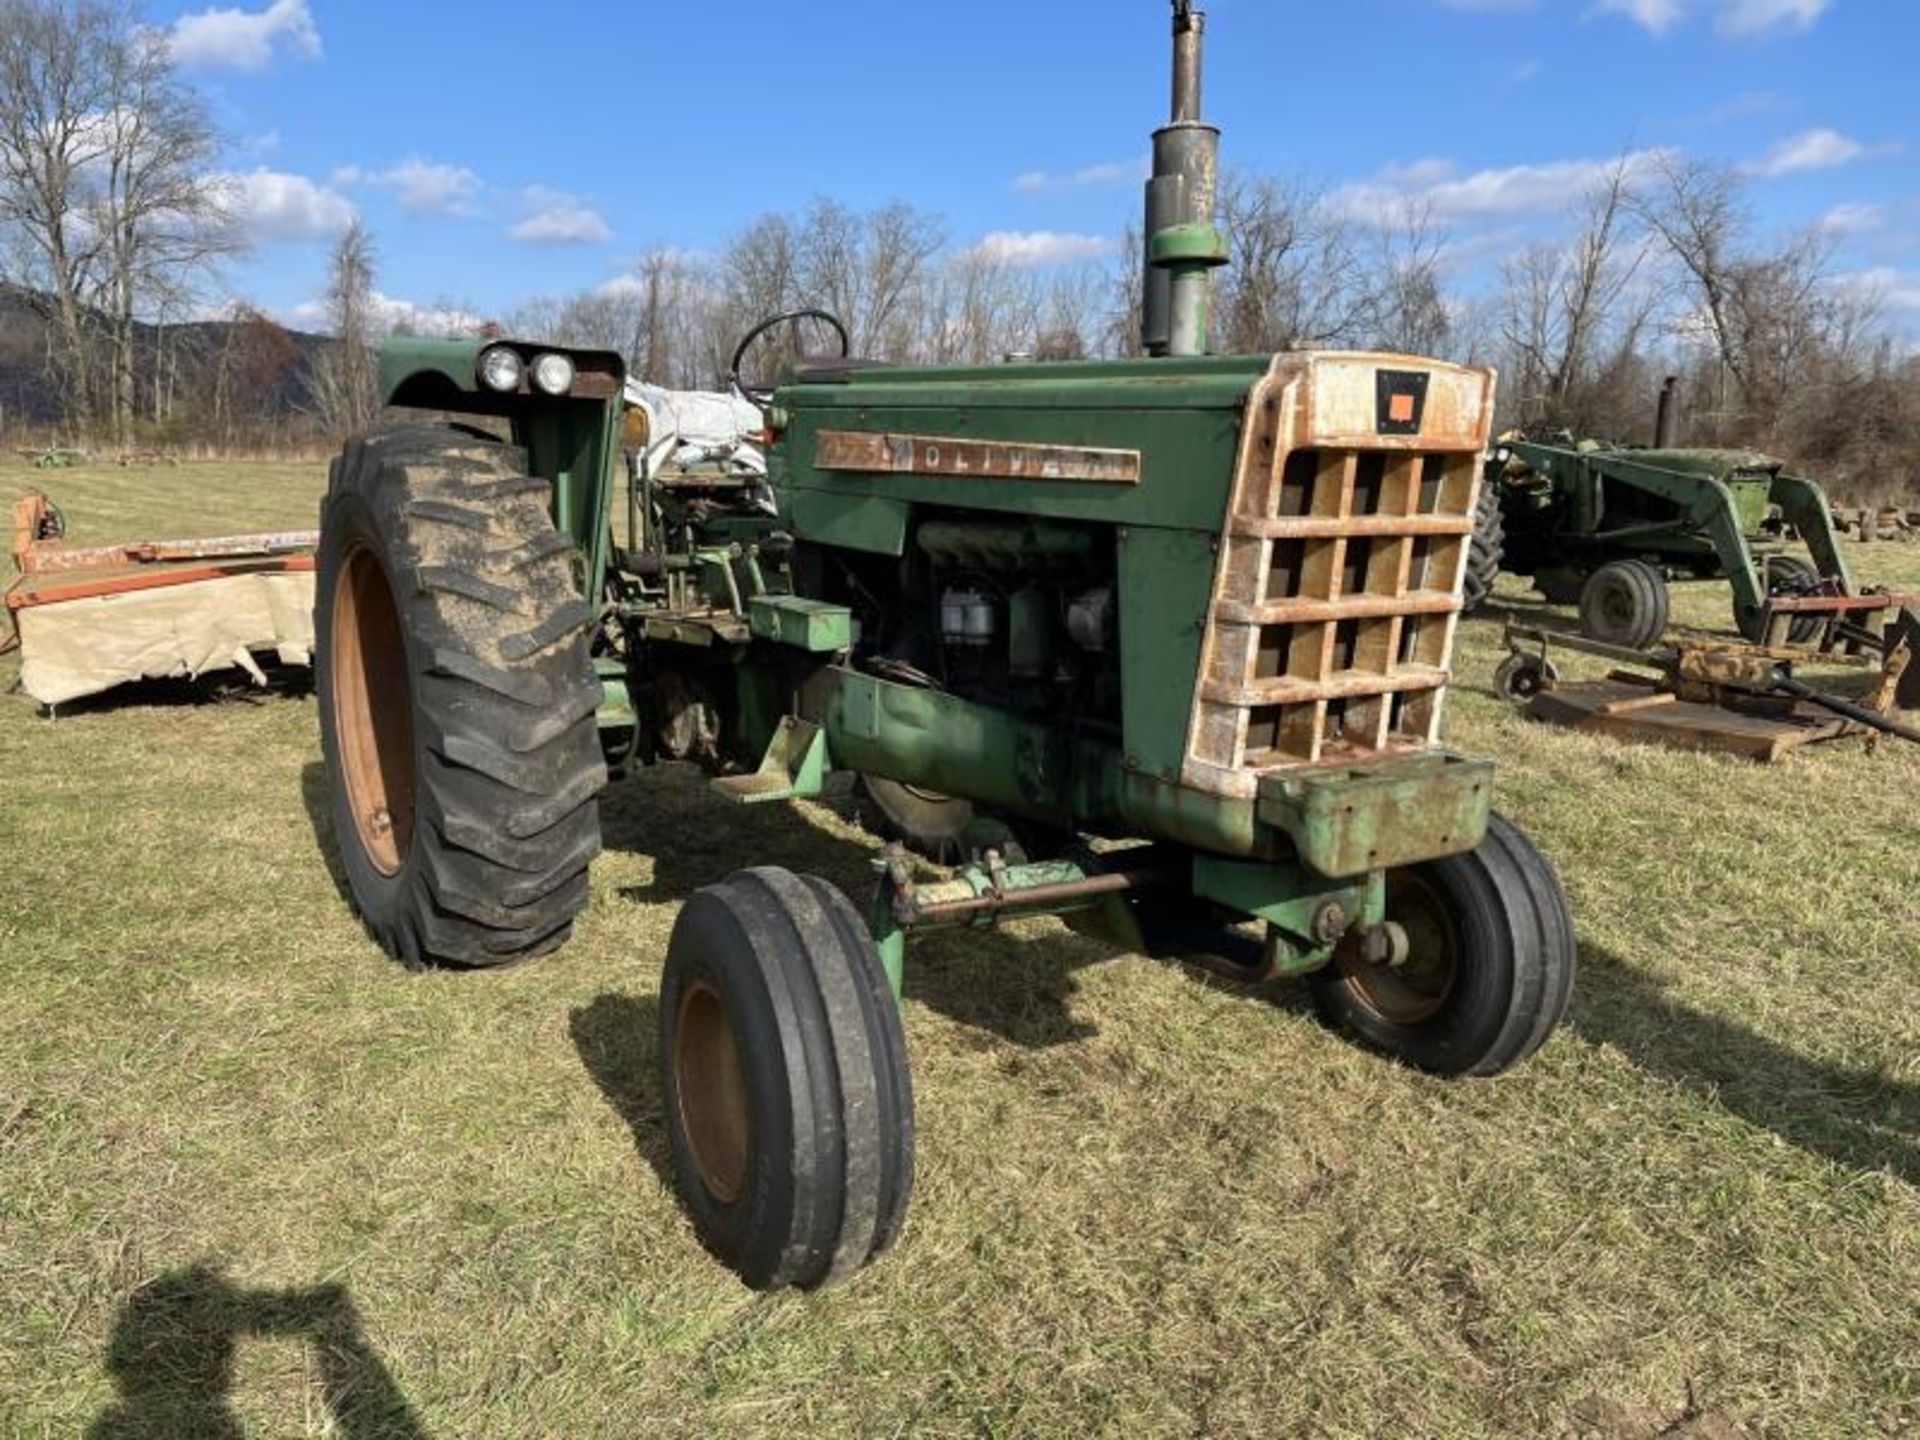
(457, 699)
(1625, 602)
(1521, 677)
(1785, 575)
(1486, 971)
(784, 1068)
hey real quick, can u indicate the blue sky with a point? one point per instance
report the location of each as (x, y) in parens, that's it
(502, 150)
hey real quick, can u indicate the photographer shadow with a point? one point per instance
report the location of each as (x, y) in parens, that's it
(176, 1339)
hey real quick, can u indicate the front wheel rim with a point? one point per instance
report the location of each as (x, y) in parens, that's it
(1416, 990)
(712, 1093)
(372, 710)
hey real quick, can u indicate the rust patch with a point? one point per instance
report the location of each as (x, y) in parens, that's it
(867, 452)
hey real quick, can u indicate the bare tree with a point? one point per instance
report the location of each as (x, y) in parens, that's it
(1558, 303)
(1409, 304)
(1694, 206)
(106, 187)
(158, 212)
(53, 91)
(1294, 280)
(345, 394)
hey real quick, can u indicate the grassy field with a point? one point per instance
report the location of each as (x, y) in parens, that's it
(251, 1172)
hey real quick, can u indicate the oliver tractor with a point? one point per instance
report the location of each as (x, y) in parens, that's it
(1182, 624)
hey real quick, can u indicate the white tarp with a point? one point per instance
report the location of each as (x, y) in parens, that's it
(691, 427)
(71, 648)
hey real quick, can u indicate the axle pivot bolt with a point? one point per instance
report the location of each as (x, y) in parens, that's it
(1330, 922)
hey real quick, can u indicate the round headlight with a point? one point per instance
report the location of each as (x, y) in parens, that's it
(501, 369)
(553, 373)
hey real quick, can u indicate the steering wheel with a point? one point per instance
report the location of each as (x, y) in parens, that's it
(762, 395)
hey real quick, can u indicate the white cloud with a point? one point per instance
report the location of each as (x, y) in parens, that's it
(1735, 19)
(1436, 188)
(1027, 249)
(1820, 149)
(1896, 289)
(1657, 16)
(1853, 218)
(1742, 18)
(557, 218)
(390, 314)
(245, 39)
(424, 187)
(273, 207)
(1106, 175)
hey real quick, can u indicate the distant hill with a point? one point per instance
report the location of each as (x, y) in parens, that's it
(275, 372)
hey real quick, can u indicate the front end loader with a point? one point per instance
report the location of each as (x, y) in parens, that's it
(1160, 646)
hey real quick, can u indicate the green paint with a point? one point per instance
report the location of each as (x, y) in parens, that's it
(571, 441)
(810, 625)
(1349, 820)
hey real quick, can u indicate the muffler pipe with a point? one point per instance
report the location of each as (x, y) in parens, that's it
(1182, 246)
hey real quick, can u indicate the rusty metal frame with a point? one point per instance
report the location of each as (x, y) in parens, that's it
(1323, 672)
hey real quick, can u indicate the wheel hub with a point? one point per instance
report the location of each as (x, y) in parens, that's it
(1408, 979)
(712, 1092)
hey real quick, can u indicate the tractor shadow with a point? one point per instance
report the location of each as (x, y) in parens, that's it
(618, 1040)
(1859, 1118)
(1014, 984)
(175, 1341)
(318, 802)
(284, 682)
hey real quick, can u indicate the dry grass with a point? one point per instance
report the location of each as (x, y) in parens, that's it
(247, 1165)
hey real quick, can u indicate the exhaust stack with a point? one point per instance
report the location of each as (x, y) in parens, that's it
(1664, 418)
(1182, 245)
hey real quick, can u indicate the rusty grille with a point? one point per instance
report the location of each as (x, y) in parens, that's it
(1335, 601)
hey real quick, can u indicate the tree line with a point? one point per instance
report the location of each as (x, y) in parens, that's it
(115, 221)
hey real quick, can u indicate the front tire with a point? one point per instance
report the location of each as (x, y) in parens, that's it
(1489, 966)
(1625, 602)
(456, 699)
(784, 1068)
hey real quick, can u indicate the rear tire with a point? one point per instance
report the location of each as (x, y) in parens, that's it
(456, 699)
(1490, 965)
(784, 1069)
(1485, 549)
(1785, 575)
(1625, 602)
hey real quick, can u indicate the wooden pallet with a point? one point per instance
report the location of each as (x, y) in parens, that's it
(1627, 709)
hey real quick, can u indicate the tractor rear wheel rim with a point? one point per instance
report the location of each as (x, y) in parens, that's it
(373, 710)
(1415, 991)
(712, 1088)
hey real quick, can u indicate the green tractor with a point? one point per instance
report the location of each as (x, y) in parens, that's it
(1182, 623)
(1609, 528)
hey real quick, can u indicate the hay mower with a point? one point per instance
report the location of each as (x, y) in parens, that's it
(1182, 623)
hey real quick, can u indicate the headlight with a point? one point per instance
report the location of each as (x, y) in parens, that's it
(501, 369)
(553, 373)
